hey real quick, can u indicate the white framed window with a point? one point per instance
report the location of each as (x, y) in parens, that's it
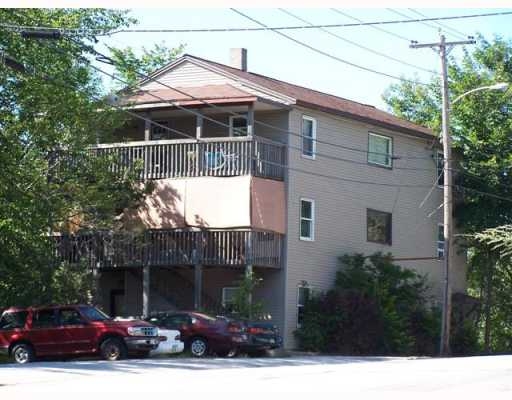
(228, 296)
(307, 219)
(308, 137)
(440, 168)
(303, 293)
(380, 150)
(237, 126)
(440, 241)
(160, 132)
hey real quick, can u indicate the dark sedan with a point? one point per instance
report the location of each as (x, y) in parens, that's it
(202, 333)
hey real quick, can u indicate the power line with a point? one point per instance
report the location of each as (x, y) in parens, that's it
(460, 34)
(373, 51)
(331, 177)
(423, 22)
(107, 59)
(326, 54)
(396, 35)
(103, 32)
(299, 149)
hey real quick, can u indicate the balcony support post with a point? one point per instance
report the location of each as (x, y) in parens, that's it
(147, 127)
(250, 120)
(145, 290)
(199, 127)
(198, 286)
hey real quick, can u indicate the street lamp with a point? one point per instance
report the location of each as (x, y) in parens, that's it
(497, 86)
(447, 202)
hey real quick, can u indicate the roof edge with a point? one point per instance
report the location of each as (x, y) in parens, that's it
(412, 132)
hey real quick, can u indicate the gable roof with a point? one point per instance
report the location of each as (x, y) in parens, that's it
(313, 99)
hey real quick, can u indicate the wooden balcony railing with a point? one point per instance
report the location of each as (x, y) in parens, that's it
(205, 157)
(171, 247)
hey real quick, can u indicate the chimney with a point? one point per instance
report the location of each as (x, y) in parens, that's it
(238, 58)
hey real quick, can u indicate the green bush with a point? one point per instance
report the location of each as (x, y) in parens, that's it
(375, 307)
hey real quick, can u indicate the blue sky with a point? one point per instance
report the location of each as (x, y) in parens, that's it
(272, 55)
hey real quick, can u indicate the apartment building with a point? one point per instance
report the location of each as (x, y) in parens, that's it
(255, 174)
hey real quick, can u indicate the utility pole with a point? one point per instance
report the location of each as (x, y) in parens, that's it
(444, 48)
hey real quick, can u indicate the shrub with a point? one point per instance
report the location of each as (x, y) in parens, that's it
(375, 307)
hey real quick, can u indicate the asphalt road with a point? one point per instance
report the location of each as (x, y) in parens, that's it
(482, 378)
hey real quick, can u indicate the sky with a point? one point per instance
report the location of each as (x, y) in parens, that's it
(272, 55)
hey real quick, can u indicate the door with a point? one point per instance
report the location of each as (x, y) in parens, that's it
(80, 333)
(117, 303)
(45, 334)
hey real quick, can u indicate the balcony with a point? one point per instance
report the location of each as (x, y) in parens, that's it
(221, 157)
(168, 247)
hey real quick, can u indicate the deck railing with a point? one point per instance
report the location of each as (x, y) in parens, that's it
(171, 247)
(204, 157)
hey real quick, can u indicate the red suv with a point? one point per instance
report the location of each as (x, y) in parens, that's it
(72, 330)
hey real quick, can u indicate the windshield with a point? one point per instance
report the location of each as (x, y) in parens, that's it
(206, 317)
(13, 320)
(94, 314)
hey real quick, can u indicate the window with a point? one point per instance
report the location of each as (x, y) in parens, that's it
(378, 226)
(13, 320)
(440, 241)
(237, 126)
(307, 219)
(159, 132)
(94, 314)
(44, 319)
(440, 168)
(308, 137)
(302, 297)
(70, 317)
(380, 150)
(228, 297)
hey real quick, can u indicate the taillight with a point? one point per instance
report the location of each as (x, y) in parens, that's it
(235, 328)
(255, 331)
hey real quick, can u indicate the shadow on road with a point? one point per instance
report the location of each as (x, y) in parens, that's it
(136, 365)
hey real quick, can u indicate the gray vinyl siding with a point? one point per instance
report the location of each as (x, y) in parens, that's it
(340, 207)
(188, 74)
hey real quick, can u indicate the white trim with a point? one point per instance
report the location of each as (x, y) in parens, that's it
(390, 154)
(312, 220)
(313, 136)
(223, 300)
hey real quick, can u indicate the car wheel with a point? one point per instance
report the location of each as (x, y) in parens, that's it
(113, 349)
(198, 347)
(23, 353)
(228, 353)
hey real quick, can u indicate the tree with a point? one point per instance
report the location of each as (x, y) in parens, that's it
(50, 181)
(130, 66)
(481, 126)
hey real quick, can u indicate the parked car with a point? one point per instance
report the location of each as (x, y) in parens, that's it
(172, 345)
(262, 335)
(202, 333)
(27, 333)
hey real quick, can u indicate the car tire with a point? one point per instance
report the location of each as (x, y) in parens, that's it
(198, 347)
(113, 349)
(23, 353)
(228, 353)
